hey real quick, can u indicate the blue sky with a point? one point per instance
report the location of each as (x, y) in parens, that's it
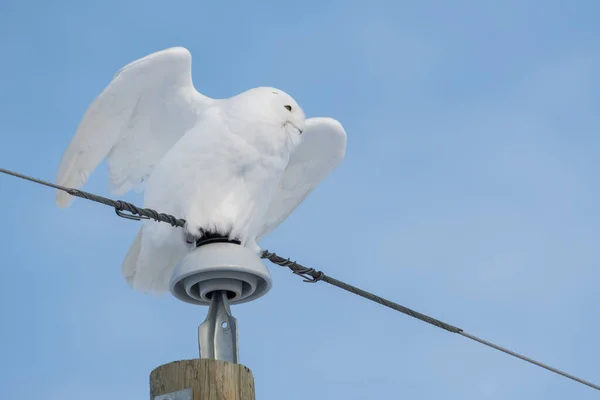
(469, 191)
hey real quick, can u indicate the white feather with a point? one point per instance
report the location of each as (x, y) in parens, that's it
(146, 108)
(322, 149)
(236, 166)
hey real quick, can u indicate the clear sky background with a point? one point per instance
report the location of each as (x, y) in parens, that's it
(469, 191)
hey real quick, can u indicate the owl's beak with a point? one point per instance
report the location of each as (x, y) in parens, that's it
(295, 127)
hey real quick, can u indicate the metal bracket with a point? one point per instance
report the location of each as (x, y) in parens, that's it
(185, 394)
(217, 335)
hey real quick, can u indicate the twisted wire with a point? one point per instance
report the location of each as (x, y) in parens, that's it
(310, 275)
(135, 212)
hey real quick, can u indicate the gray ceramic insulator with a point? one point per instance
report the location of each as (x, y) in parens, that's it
(220, 266)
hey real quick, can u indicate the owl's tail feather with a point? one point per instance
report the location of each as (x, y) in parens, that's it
(129, 265)
(147, 267)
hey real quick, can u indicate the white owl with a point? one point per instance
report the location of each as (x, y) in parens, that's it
(233, 167)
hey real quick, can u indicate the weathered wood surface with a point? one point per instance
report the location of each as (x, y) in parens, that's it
(208, 379)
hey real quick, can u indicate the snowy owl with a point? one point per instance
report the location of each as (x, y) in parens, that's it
(233, 167)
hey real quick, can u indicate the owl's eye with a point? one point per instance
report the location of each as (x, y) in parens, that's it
(288, 107)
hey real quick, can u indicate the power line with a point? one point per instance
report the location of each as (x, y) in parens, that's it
(135, 213)
(311, 275)
(130, 211)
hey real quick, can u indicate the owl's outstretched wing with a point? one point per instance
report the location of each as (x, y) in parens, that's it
(147, 107)
(322, 149)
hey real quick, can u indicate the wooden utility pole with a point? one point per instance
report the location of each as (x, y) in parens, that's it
(201, 379)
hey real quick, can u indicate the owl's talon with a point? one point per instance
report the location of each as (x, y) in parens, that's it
(190, 237)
